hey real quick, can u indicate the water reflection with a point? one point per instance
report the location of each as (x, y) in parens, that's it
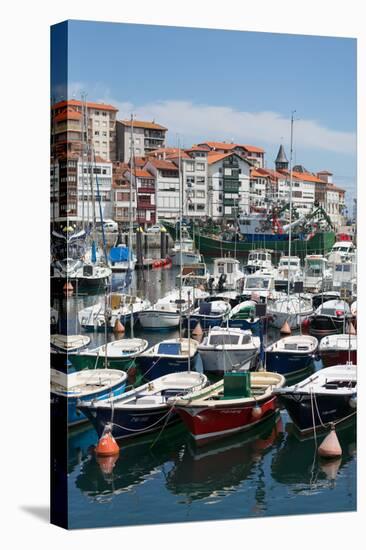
(136, 463)
(219, 468)
(297, 465)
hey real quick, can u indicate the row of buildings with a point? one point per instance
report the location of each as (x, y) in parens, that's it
(104, 166)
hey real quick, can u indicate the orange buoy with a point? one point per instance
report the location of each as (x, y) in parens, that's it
(107, 446)
(330, 447)
(118, 327)
(351, 328)
(197, 331)
(107, 463)
(285, 329)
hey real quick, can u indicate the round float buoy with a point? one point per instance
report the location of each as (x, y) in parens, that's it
(351, 328)
(118, 327)
(330, 447)
(285, 329)
(257, 412)
(107, 446)
(197, 331)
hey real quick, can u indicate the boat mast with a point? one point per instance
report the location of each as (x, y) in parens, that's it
(180, 238)
(83, 105)
(290, 228)
(130, 229)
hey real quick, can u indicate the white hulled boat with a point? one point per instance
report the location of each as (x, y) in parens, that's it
(292, 309)
(121, 307)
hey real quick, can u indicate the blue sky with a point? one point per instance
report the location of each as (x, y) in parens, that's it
(226, 85)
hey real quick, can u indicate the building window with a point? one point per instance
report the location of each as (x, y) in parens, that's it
(200, 180)
(97, 112)
(96, 133)
(104, 113)
(200, 166)
(190, 181)
(190, 167)
(200, 194)
(200, 207)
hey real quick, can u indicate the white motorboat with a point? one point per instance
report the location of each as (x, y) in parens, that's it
(341, 251)
(122, 307)
(337, 349)
(290, 308)
(259, 260)
(69, 343)
(184, 253)
(288, 270)
(227, 274)
(345, 277)
(317, 274)
(167, 311)
(292, 355)
(228, 348)
(173, 355)
(259, 286)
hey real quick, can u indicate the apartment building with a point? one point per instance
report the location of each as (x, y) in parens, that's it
(121, 198)
(144, 184)
(331, 198)
(81, 191)
(75, 123)
(228, 185)
(146, 137)
(255, 155)
(166, 176)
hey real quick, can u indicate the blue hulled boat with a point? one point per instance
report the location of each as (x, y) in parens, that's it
(88, 384)
(292, 355)
(209, 314)
(168, 356)
(143, 409)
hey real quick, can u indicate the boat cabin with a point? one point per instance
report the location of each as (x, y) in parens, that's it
(260, 259)
(227, 270)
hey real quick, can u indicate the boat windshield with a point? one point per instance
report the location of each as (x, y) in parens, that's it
(256, 282)
(224, 339)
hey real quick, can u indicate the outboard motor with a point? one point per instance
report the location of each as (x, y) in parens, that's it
(221, 283)
(210, 283)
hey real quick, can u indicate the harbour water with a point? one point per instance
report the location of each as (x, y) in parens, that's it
(166, 478)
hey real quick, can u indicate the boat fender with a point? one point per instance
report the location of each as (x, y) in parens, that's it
(118, 327)
(257, 412)
(353, 402)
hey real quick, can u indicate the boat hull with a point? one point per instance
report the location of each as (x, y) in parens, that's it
(288, 364)
(157, 320)
(278, 319)
(81, 285)
(213, 360)
(131, 422)
(206, 321)
(155, 366)
(76, 417)
(331, 409)
(187, 258)
(206, 423)
(331, 358)
(322, 325)
(80, 361)
(320, 243)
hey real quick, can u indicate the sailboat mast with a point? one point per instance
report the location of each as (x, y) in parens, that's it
(290, 228)
(130, 230)
(83, 101)
(180, 237)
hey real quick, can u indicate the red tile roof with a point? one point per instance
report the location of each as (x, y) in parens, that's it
(68, 113)
(90, 105)
(257, 174)
(219, 145)
(213, 157)
(162, 150)
(303, 176)
(140, 173)
(143, 124)
(252, 148)
(163, 164)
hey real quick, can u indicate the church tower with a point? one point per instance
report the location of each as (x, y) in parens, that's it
(281, 161)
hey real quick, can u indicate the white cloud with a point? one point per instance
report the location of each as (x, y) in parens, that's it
(199, 122)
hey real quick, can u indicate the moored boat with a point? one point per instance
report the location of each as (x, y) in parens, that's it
(121, 307)
(96, 385)
(121, 354)
(329, 318)
(168, 356)
(143, 409)
(290, 309)
(238, 402)
(209, 314)
(243, 316)
(291, 356)
(337, 349)
(328, 396)
(227, 348)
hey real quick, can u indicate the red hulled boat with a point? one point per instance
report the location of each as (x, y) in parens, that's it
(238, 402)
(338, 349)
